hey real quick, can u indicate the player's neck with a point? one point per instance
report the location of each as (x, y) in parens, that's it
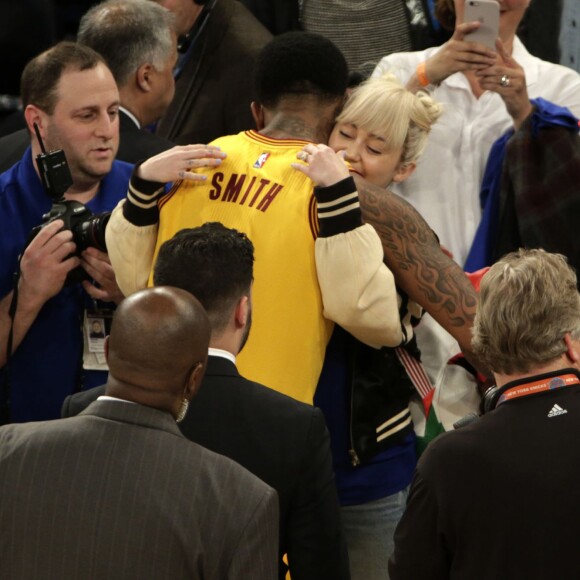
(298, 125)
(305, 117)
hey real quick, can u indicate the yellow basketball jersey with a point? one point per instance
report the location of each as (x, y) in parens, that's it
(256, 191)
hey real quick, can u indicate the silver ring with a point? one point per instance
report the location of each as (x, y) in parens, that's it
(302, 155)
(505, 81)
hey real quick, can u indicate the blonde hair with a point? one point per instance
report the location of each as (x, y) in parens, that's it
(528, 301)
(383, 106)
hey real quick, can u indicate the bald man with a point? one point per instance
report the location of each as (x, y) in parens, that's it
(118, 492)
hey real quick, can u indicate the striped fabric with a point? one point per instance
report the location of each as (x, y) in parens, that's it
(118, 492)
(416, 373)
(394, 424)
(364, 30)
(339, 206)
(418, 377)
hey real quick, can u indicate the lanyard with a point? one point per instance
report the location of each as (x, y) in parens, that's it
(539, 386)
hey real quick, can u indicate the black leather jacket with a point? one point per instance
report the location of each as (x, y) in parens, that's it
(379, 402)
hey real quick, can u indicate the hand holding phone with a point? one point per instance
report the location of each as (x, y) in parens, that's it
(486, 12)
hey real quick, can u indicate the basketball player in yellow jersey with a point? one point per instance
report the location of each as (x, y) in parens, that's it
(300, 82)
(256, 190)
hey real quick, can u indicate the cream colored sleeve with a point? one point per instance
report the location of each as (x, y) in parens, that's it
(131, 249)
(358, 290)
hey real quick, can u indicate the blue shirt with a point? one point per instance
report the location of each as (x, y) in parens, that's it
(47, 365)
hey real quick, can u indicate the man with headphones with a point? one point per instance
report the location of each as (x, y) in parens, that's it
(500, 497)
(219, 43)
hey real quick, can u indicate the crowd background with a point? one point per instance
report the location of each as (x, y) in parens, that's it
(30, 26)
(367, 37)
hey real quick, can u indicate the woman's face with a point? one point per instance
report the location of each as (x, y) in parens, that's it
(368, 154)
(511, 13)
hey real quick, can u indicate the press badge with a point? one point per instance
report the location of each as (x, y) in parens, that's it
(96, 326)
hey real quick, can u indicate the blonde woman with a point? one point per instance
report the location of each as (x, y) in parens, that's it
(363, 392)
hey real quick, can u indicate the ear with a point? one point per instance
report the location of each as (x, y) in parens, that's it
(241, 311)
(403, 171)
(143, 77)
(258, 114)
(572, 351)
(194, 380)
(32, 114)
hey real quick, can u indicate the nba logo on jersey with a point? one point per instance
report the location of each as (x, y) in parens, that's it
(261, 160)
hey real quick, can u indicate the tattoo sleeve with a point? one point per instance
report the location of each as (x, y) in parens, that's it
(420, 267)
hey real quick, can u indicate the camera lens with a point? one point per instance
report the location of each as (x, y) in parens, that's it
(91, 232)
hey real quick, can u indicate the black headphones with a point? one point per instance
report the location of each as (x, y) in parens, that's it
(491, 397)
(488, 403)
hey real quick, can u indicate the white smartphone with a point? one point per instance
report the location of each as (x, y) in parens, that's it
(487, 13)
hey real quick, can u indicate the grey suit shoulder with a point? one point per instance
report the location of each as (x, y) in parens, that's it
(283, 442)
(118, 492)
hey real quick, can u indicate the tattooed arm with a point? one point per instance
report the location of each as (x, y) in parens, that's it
(421, 269)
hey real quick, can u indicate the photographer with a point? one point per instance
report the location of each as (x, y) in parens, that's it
(70, 94)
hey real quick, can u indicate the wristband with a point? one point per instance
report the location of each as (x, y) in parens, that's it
(422, 75)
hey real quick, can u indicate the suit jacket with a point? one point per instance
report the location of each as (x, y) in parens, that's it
(118, 492)
(137, 144)
(277, 16)
(282, 441)
(134, 144)
(216, 85)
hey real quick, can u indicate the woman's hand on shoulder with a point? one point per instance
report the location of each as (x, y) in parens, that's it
(322, 164)
(180, 162)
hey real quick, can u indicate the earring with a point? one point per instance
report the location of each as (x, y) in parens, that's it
(182, 411)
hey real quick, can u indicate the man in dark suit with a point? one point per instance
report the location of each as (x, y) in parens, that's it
(284, 442)
(118, 492)
(138, 42)
(220, 41)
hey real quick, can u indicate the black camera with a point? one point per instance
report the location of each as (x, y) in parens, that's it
(88, 230)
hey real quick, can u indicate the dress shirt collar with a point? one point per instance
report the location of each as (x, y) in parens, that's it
(222, 353)
(131, 116)
(107, 398)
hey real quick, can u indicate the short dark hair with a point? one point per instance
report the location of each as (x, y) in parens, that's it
(300, 62)
(212, 262)
(42, 74)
